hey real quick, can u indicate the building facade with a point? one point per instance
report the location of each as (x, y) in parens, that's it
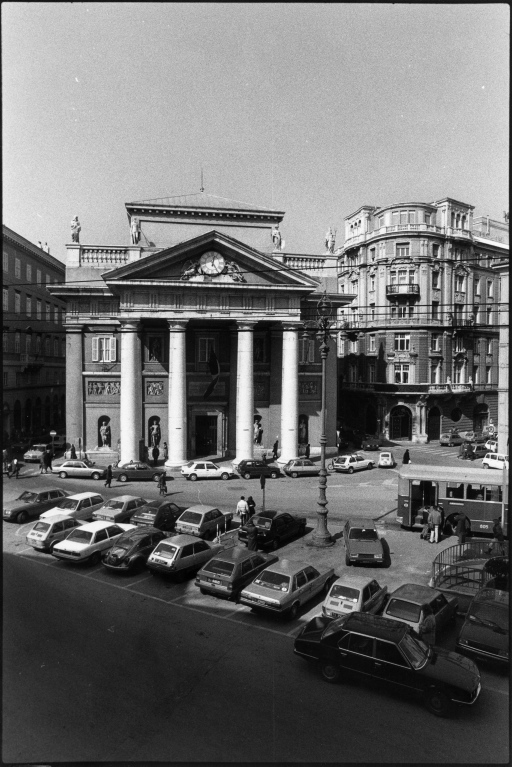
(192, 336)
(420, 354)
(33, 341)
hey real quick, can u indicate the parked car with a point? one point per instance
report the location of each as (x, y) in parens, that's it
(360, 594)
(206, 470)
(252, 468)
(83, 468)
(85, 543)
(119, 509)
(229, 571)
(362, 543)
(301, 467)
(495, 461)
(370, 443)
(36, 451)
(348, 464)
(274, 527)
(181, 555)
(486, 629)
(386, 460)
(407, 605)
(31, 503)
(78, 506)
(286, 585)
(473, 436)
(492, 445)
(477, 451)
(451, 438)
(131, 550)
(47, 532)
(136, 471)
(372, 647)
(203, 521)
(161, 514)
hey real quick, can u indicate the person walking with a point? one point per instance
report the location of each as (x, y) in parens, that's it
(251, 503)
(242, 509)
(434, 520)
(252, 536)
(407, 458)
(48, 462)
(166, 451)
(428, 626)
(15, 468)
(41, 464)
(460, 528)
(308, 450)
(108, 476)
(155, 453)
(498, 543)
(275, 448)
(162, 485)
(72, 453)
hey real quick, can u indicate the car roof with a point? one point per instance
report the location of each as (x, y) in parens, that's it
(156, 503)
(235, 554)
(366, 524)
(413, 592)
(182, 540)
(140, 532)
(200, 508)
(376, 626)
(56, 518)
(354, 581)
(288, 566)
(124, 498)
(98, 525)
(492, 595)
(80, 496)
(38, 490)
(267, 514)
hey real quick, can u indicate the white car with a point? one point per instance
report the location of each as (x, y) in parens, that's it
(352, 463)
(206, 470)
(85, 543)
(357, 594)
(83, 468)
(386, 460)
(120, 508)
(495, 461)
(203, 521)
(78, 506)
(48, 532)
(36, 451)
(492, 445)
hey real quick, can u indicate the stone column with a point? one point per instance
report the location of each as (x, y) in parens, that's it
(289, 442)
(131, 391)
(75, 388)
(244, 392)
(177, 407)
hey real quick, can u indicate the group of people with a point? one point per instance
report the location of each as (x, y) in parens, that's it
(45, 462)
(245, 510)
(12, 468)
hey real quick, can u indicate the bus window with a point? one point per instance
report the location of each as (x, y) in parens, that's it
(493, 493)
(475, 493)
(455, 490)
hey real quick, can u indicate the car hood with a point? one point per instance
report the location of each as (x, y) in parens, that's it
(262, 592)
(57, 510)
(451, 668)
(365, 547)
(16, 505)
(485, 637)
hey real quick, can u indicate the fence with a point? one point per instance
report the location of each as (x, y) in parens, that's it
(460, 568)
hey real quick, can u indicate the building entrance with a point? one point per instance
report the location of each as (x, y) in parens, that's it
(206, 435)
(400, 423)
(434, 423)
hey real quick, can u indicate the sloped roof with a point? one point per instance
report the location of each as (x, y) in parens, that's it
(202, 200)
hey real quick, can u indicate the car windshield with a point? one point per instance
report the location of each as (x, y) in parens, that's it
(114, 504)
(219, 567)
(166, 551)
(414, 650)
(407, 611)
(87, 462)
(265, 524)
(80, 536)
(28, 497)
(272, 580)
(152, 510)
(344, 592)
(69, 503)
(42, 526)
(489, 615)
(190, 464)
(362, 534)
(39, 447)
(123, 546)
(194, 517)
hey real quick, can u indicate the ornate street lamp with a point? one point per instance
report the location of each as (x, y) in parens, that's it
(320, 328)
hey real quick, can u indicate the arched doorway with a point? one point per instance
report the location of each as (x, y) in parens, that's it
(434, 423)
(480, 417)
(371, 420)
(400, 423)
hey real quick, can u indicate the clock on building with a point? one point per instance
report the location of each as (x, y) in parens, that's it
(212, 262)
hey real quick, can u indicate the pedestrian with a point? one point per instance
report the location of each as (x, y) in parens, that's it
(462, 450)
(252, 536)
(9, 469)
(15, 467)
(434, 520)
(425, 532)
(48, 461)
(242, 509)
(275, 448)
(108, 476)
(155, 453)
(428, 626)
(460, 528)
(308, 450)
(41, 464)
(498, 543)
(251, 503)
(72, 453)
(4, 459)
(162, 485)
(407, 458)
(166, 451)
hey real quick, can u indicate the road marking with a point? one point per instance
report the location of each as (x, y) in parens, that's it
(136, 583)
(495, 689)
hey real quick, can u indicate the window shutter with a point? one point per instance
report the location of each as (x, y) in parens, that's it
(311, 351)
(113, 347)
(95, 355)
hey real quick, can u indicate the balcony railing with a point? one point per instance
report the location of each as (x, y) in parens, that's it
(411, 289)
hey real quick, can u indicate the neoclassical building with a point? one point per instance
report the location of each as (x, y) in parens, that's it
(192, 335)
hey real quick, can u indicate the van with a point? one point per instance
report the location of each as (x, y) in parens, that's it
(495, 461)
(78, 506)
(47, 532)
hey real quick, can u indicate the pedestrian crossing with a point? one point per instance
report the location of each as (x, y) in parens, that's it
(441, 450)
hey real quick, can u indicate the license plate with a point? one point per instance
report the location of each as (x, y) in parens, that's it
(160, 561)
(214, 581)
(260, 601)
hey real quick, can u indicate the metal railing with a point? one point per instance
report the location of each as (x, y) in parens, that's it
(403, 289)
(461, 567)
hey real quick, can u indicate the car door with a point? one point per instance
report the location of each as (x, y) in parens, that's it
(101, 540)
(69, 525)
(185, 559)
(301, 587)
(356, 653)
(314, 579)
(360, 463)
(286, 526)
(212, 471)
(56, 533)
(129, 509)
(246, 573)
(84, 510)
(442, 610)
(217, 519)
(391, 666)
(202, 553)
(376, 598)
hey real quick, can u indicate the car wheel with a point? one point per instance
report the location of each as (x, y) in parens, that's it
(293, 611)
(193, 477)
(274, 474)
(294, 474)
(437, 702)
(247, 475)
(350, 470)
(96, 475)
(63, 474)
(95, 558)
(485, 466)
(347, 560)
(22, 517)
(123, 478)
(330, 672)
(330, 466)
(370, 465)
(155, 477)
(225, 476)
(275, 544)
(203, 591)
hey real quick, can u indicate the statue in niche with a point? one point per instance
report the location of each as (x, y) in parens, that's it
(155, 435)
(277, 240)
(75, 230)
(303, 432)
(155, 350)
(135, 230)
(105, 434)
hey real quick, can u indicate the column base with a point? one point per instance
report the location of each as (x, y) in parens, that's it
(175, 465)
(319, 542)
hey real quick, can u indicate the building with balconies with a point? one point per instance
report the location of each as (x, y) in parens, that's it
(34, 363)
(419, 349)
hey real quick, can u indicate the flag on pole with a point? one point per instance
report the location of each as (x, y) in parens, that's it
(213, 364)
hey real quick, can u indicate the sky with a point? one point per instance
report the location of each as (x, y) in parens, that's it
(312, 109)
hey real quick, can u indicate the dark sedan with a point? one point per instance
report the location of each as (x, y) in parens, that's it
(227, 573)
(362, 543)
(252, 468)
(31, 503)
(273, 528)
(486, 630)
(363, 645)
(136, 471)
(161, 514)
(132, 549)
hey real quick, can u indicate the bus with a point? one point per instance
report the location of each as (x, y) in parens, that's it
(477, 493)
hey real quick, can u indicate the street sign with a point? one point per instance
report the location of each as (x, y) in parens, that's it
(53, 434)
(262, 481)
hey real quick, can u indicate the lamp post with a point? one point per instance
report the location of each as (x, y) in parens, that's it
(53, 434)
(320, 328)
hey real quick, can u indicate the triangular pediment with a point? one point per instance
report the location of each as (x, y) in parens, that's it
(212, 258)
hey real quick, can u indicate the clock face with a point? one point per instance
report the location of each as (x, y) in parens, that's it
(212, 262)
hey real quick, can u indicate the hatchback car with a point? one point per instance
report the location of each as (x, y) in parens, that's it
(78, 506)
(492, 445)
(407, 605)
(31, 503)
(161, 514)
(301, 467)
(286, 585)
(136, 471)
(181, 555)
(252, 468)
(477, 451)
(495, 461)
(203, 521)
(371, 647)
(83, 468)
(348, 464)
(362, 543)
(206, 470)
(362, 594)
(486, 630)
(132, 549)
(451, 438)
(229, 571)
(273, 528)
(36, 452)
(46, 533)
(119, 509)
(386, 460)
(85, 543)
